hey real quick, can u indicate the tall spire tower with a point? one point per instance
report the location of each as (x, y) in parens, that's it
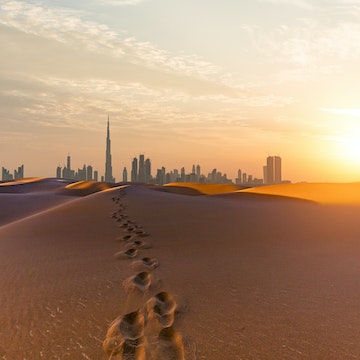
(108, 167)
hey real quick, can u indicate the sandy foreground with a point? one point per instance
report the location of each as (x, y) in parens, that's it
(252, 275)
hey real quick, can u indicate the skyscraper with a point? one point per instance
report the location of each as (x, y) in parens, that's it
(272, 170)
(277, 176)
(141, 176)
(134, 170)
(125, 175)
(147, 170)
(108, 168)
(89, 173)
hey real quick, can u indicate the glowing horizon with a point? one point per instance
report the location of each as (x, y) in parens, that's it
(220, 85)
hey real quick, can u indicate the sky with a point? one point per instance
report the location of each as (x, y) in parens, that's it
(220, 83)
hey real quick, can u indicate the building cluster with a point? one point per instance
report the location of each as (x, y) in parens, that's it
(141, 172)
(7, 176)
(85, 174)
(163, 177)
(271, 173)
(247, 180)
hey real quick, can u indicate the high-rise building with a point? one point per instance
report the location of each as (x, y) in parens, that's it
(277, 170)
(81, 174)
(198, 172)
(238, 180)
(182, 174)
(244, 178)
(108, 167)
(134, 170)
(141, 177)
(147, 170)
(6, 176)
(58, 172)
(125, 175)
(265, 174)
(89, 173)
(19, 173)
(272, 170)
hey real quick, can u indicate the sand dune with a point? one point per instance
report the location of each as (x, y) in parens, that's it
(84, 188)
(235, 276)
(19, 199)
(326, 193)
(31, 185)
(206, 189)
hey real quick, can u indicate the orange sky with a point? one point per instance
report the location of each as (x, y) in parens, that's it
(222, 84)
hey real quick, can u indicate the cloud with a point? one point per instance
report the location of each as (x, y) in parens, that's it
(80, 104)
(349, 112)
(66, 26)
(299, 3)
(308, 48)
(339, 6)
(121, 2)
(62, 100)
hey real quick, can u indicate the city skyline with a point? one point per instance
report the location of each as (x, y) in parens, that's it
(224, 83)
(141, 172)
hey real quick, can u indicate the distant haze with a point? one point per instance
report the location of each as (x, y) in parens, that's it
(222, 84)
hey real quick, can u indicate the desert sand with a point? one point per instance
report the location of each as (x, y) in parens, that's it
(89, 271)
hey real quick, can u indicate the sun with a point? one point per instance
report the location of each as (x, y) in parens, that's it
(349, 148)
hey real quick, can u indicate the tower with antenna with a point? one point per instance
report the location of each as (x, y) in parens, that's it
(108, 167)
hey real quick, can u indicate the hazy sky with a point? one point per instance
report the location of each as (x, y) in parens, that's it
(222, 83)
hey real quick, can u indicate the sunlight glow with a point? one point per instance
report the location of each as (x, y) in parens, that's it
(349, 112)
(349, 148)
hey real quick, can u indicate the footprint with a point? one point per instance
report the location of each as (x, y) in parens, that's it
(170, 345)
(165, 301)
(138, 244)
(113, 345)
(165, 320)
(150, 263)
(140, 281)
(131, 325)
(125, 337)
(127, 254)
(124, 225)
(145, 263)
(162, 306)
(127, 237)
(134, 350)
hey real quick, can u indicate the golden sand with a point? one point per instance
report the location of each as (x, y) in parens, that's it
(21, 181)
(225, 276)
(325, 193)
(208, 189)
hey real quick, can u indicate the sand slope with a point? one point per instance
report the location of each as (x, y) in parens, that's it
(252, 277)
(326, 193)
(274, 280)
(19, 199)
(59, 285)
